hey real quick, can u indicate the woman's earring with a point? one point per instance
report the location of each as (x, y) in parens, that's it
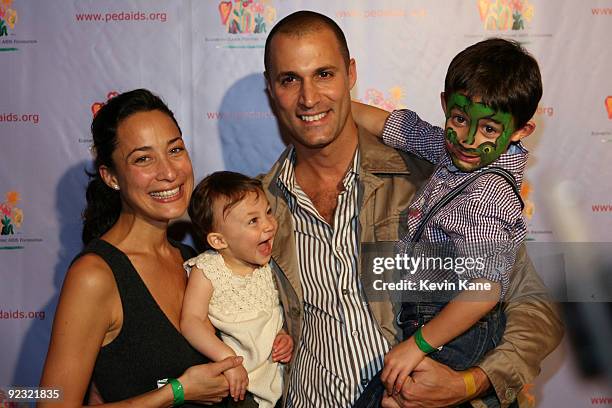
(116, 187)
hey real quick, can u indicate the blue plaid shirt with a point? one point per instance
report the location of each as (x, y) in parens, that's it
(486, 215)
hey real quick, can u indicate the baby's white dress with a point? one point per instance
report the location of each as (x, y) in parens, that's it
(247, 312)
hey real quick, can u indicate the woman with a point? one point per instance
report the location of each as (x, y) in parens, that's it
(118, 314)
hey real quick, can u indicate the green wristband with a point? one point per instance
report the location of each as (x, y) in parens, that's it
(423, 345)
(177, 391)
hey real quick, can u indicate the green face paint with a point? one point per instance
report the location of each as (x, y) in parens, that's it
(487, 152)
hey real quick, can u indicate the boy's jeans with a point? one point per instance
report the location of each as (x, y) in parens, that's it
(459, 354)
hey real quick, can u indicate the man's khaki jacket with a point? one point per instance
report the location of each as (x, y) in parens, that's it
(388, 180)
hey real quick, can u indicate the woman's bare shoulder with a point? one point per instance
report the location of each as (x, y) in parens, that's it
(90, 273)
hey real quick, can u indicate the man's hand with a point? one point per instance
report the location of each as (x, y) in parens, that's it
(282, 348)
(238, 379)
(435, 385)
(399, 363)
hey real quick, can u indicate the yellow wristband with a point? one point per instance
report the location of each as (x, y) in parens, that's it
(470, 383)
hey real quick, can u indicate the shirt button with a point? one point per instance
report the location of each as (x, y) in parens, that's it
(339, 248)
(364, 381)
(355, 333)
(345, 291)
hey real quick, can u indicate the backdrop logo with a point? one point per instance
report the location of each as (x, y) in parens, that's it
(12, 216)
(609, 106)
(247, 16)
(377, 98)
(502, 15)
(529, 209)
(96, 106)
(8, 17)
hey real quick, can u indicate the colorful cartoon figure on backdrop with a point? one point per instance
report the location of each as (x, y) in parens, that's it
(377, 98)
(526, 190)
(246, 16)
(95, 107)
(8, 17)
(502, 15)
(12, 216)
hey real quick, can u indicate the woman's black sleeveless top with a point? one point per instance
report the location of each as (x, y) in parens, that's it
(148, 347)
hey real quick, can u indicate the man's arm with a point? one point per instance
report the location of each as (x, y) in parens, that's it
(433, 384)
(533, 330)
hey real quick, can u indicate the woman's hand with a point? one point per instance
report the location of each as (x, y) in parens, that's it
(205, 383)
(282, 348)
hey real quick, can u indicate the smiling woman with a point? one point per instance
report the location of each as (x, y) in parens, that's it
(151, 164)
(117, 321)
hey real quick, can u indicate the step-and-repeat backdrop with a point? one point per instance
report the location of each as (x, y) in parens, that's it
(60, 60)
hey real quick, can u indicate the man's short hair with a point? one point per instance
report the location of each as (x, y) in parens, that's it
(502, 73)
(305, 22)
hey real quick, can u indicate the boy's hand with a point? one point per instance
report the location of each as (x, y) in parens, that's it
(282, 348)
(399, 363)
(238, 380)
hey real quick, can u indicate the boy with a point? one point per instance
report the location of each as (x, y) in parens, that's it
(491, 92)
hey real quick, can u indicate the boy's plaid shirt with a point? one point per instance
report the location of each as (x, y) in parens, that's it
(485, 220)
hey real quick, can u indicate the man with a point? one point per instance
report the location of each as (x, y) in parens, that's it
(335, 189)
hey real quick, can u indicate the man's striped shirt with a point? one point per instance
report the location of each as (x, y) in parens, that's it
(341, 347)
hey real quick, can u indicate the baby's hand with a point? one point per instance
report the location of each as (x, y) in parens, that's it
(282, 348)
(238, 380)
(399, 363)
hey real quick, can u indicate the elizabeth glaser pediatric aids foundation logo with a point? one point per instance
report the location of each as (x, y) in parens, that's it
(504, 15)
(529, 209)
(12, 216)
(247, 16)
(95, 107)
(8, 17)
(9, 20)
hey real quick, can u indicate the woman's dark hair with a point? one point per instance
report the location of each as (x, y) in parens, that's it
(104, 203)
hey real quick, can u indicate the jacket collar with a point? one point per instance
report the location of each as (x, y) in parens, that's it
(375, 158)
(283, 250)
(379, 158)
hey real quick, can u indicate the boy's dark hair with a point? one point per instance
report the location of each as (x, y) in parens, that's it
(305, 22)
(502, 73)
(221, 185)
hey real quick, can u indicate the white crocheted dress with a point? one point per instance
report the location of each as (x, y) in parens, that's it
(246, 310)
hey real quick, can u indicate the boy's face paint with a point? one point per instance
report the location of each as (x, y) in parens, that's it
(474, 129)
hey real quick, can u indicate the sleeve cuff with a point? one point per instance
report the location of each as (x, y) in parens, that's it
(392, 134)
(503, 378)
